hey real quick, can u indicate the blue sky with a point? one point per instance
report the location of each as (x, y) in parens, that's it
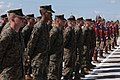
(110, 9)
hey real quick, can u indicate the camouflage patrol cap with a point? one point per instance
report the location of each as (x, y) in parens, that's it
(39, 17)
(88, 20)
(30, 16)
(4, 16)
(117, 20)
(60, 17)
(17, 12)
(81, 18)
(71, 18)
(103, 19)
(93, 21)
(48, 8)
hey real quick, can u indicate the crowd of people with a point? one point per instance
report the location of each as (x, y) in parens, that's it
(43, 48)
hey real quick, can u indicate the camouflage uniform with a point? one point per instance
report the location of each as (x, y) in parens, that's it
(56, 54)
(107, 39)
(11, 47)
(79, 46)
(69, 52)
(6, 26)
(98, 40)
(113, 36)
(1, 27)
(116, 34)
(26, 31)
(117, 30)
(93, 42)
(37, 50)
(86, 46)
(103, 40)
(3, 21)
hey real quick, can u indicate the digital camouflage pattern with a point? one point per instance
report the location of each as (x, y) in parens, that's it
(11, 47)
(37, 50)
(56, 54)
(26, 31)
(69, 52)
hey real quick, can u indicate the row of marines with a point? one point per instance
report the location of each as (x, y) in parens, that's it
(46, 49)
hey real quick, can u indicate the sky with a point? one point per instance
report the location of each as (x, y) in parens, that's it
(109, 9)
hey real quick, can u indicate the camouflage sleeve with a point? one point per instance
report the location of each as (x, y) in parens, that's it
(33, 40)
(24, 31)
(1, 28)
(117, 30)
(79, 38)
(4, 43)
(53, 37)
(83, 30)
(66, 37)
(84, 37)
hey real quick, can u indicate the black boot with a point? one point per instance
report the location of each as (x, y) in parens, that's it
(101, 54)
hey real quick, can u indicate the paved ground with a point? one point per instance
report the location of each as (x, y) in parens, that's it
(108, 69)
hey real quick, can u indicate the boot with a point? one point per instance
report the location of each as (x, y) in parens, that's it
(28, 77)
(110, 47)
(101, 54)
(116, 43)
(83, 72)
(106, 50)
(113, 46)
(95, 57)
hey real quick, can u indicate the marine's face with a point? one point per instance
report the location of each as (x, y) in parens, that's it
(71, 23)
(49, 15)
(74, 23)
(25, 22)
(49, 22)
(62, 22)
(87, 23)
(19, 21)
(32, 21)
(59, 22)
(79, 23)
(1, 21)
